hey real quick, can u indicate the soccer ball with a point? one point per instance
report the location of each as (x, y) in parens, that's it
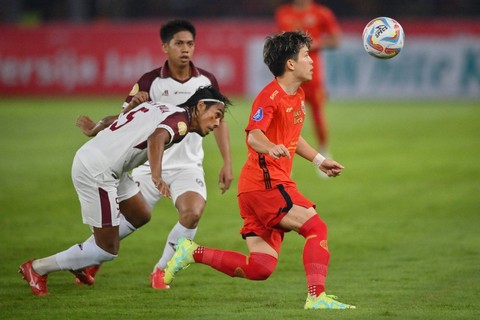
(383, 38)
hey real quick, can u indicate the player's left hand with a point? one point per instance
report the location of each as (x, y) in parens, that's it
(86, 124)
(161, 186)
(331, 168)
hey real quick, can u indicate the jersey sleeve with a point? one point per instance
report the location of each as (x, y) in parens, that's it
(143, 84)
(177, 125)
(261, 116)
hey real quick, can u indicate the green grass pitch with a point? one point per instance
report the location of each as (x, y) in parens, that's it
(404, 219)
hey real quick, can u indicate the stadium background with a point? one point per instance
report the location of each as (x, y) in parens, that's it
(101, 47)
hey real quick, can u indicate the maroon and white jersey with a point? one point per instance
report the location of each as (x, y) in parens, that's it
(123, 146)
(162, 87)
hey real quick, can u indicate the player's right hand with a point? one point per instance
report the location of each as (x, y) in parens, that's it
(139, 98)
(278, 150)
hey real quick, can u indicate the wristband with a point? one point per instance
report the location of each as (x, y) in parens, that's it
(318, 159)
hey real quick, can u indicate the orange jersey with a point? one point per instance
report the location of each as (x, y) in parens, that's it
(316, 20)
(280, 116)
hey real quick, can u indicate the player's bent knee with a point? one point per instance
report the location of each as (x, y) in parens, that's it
(189, 218)
(260, 266)
(144, 219)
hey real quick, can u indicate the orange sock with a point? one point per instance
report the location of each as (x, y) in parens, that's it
(258, 266)
(315, 254)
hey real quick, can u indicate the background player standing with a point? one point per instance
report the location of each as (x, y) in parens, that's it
(269, 201)
(321, 24)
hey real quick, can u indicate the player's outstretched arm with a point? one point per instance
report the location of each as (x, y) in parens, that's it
(90, 128)
(225, 176)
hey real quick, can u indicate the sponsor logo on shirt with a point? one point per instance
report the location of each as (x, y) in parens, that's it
(200, 182)
(324, 244)
(165, 93)
(182, 128)
(258, 115)
(298, 116)
(272, 96)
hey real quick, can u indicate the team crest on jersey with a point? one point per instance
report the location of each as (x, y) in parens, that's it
(134, 90)
(182, 128)
(303, 107)
(258, 115)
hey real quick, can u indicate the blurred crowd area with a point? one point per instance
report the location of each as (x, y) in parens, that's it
(84, 11)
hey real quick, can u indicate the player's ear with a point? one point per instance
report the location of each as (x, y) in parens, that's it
(165, 47)
(290, 64)
(201, 106)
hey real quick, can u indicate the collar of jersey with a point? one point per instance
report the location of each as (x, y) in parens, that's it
(165, 72)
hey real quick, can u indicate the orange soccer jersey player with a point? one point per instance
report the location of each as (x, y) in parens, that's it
(269, 201)
(321, 24)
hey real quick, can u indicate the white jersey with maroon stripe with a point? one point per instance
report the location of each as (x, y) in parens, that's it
(123, 146)
(162, 87)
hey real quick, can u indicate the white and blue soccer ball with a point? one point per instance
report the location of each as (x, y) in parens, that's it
(383, 38)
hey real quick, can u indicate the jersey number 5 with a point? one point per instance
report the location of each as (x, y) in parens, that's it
(129, 117)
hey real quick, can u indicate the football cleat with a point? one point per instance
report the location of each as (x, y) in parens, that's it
(86, 275)
(324, 301)
(182, 258)
(37, 283)
(156, 279)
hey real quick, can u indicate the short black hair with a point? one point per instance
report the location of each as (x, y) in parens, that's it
(169, 29)
(206, 92)
(279, 48)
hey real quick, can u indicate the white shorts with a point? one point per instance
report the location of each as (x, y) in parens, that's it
(97, 195)
(178, 181)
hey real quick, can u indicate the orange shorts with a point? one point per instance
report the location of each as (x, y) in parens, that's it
(261, 212)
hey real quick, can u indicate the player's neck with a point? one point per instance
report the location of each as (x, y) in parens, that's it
(289, 86)
(181, 74)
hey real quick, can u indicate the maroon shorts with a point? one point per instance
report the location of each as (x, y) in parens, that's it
(261, 212)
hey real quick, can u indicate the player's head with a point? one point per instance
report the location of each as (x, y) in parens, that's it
(178, 43)
(169, 29)
(281, 48)
(207, 107)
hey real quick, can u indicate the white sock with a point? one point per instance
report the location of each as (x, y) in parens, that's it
(177, 231)
(45, 265)
(82, 255)
(125, 228)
